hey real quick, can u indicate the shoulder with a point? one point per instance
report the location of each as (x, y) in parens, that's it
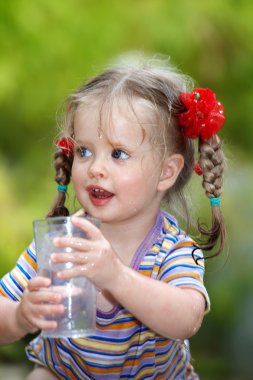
(174, 244)
(13, 283)
(172, 235)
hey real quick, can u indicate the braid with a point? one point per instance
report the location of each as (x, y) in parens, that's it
(63, 165)
(212, 164)
(211, 158)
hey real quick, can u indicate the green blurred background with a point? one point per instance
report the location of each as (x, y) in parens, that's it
(48, 47)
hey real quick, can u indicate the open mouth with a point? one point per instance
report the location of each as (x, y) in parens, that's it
(100, 193)
(99, 196)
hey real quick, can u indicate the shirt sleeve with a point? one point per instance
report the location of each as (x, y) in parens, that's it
(184, 268)
(12, 285)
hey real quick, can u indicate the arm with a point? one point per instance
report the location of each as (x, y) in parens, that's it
(9, 331)
(171, 311)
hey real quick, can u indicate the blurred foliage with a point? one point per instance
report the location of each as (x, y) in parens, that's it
(49, 47)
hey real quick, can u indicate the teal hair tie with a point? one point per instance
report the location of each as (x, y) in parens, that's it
(62, 188)
(215, 201)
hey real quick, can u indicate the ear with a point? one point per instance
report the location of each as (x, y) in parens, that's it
(171, 169)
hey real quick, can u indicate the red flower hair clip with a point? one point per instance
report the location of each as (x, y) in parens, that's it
(67, 146)
(204, 115)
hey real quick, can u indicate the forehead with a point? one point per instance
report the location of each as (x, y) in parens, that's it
(117, 119)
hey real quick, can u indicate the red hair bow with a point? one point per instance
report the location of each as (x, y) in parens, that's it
(204, 115)
(197, 168)
(67, 146)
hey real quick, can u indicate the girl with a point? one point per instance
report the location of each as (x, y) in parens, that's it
(127, 144)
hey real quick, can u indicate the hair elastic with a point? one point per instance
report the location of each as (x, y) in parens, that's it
(62, 188)
(215, 201)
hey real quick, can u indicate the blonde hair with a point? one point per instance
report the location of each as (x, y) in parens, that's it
(160, 86)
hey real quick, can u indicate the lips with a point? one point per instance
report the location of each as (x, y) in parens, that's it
(99, 196)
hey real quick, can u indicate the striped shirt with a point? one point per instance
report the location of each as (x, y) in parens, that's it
(123, 347)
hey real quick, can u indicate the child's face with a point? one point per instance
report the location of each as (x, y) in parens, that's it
(116, 170)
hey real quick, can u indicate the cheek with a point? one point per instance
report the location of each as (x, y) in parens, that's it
(73, 175)
(132, 184)
(142, 174)
(77, 177)
(143, 184)
(129, 177)
(77, 170)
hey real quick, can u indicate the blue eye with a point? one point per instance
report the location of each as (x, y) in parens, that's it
(84, 152)
(120, 154)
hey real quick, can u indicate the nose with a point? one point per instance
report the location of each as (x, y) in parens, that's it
(97, 168)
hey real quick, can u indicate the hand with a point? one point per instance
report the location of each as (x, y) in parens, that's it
(37, 302)
(93, 258)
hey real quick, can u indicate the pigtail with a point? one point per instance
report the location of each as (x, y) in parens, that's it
(211, 160)
(202, 118)
(63, 165)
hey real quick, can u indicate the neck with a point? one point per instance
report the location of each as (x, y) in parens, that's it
(126, 236)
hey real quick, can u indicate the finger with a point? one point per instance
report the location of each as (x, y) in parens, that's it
(48, 309)
(38, 282)
(77, 271)
(43, 324)
(73, 257)
(73, 242)
(45, 296)
(88, 227)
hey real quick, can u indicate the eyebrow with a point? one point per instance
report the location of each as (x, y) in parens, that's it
(114, 142)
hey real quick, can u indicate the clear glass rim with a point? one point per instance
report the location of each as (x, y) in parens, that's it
(46, 219)
(56, 219)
